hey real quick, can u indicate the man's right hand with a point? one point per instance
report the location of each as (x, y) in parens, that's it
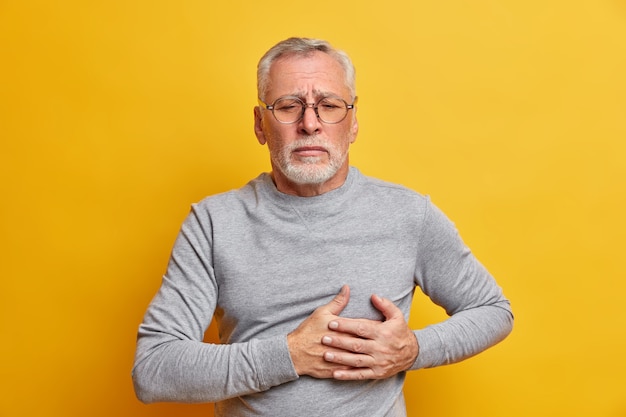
(305, 342)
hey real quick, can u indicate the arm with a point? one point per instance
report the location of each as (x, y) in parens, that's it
(452, 277)
(480, 316)
(172, 363)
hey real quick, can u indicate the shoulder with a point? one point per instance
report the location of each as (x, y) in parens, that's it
(389, 191)
(228, 206)
(235, 197)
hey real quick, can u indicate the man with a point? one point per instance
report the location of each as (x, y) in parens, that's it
(310, 271)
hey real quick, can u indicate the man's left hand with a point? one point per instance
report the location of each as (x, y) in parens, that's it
(373, 349)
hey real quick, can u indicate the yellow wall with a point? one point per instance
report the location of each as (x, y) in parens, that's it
(116, 115)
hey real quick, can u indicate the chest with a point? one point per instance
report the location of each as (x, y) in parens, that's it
(271, 277)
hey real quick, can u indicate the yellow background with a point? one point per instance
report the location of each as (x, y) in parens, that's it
(116, 115)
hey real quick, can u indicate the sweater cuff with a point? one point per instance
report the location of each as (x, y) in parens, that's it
(274, 362)
(431, 349)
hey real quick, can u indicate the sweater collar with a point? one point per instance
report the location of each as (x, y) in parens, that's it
(336, 195)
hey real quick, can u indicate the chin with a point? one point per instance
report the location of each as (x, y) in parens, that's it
(309, 175)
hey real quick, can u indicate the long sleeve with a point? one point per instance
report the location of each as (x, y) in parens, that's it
(172, 363)
(261, 262)
(450, 275)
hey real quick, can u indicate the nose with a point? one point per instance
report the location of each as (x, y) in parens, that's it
(310, 123)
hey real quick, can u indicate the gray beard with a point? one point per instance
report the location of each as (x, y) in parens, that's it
(307, 171)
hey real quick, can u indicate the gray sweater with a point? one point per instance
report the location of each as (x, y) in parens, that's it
(261, 261)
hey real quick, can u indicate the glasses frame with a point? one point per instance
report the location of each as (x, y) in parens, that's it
(305, 106)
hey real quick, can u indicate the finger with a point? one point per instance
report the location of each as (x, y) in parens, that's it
(355, 374)
(350, 360)
(339, 302)
(348, 344)
(362, 328)
(385, 306)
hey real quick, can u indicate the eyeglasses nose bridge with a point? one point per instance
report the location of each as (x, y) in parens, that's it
(311, 106)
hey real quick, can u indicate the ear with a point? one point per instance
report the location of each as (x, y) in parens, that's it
(354, 128)
(258, 126)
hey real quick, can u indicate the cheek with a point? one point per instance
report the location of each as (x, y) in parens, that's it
(281, 135)
(275, 141)
(347, 136)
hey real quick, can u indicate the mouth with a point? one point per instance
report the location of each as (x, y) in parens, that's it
(309, 151)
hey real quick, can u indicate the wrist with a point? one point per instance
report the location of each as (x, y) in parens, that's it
(292, 344)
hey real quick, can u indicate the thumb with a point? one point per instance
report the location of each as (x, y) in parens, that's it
(385, 306)
(337, 304)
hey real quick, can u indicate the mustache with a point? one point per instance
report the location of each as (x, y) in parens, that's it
(309, 141)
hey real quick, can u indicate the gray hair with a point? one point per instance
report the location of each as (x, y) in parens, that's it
(302, 47)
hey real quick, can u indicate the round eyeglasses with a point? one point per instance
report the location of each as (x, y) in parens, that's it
(291, 109)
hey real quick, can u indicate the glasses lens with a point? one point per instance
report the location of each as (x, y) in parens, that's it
(288, 110)
(291, 109)
(332, 110)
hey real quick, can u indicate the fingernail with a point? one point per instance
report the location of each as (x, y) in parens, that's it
(333, 325)
(329, 356)
(327, 340)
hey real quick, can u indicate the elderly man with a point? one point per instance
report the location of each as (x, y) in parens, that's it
(310, 271)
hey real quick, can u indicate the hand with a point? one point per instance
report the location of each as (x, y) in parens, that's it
(371, 349)
(305, 346)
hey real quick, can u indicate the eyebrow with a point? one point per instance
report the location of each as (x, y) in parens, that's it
(317, 94)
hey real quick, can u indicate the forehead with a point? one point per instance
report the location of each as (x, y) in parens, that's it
(312, 75)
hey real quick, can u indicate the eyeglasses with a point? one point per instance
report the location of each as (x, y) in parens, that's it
(291, 109)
